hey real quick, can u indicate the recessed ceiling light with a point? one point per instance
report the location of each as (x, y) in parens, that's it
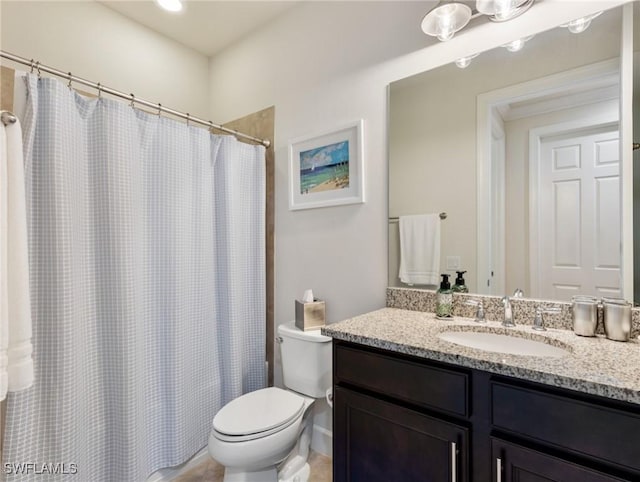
(170, 5)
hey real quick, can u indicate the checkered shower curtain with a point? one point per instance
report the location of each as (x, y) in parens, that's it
(146, 246)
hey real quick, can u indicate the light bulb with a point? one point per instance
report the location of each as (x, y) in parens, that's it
(445, 27)
(504, 9)
(444, 21)
(517, 45)
(170, 5)
(464, 62)
(579, 25)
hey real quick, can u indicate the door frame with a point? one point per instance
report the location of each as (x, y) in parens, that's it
(536, 137)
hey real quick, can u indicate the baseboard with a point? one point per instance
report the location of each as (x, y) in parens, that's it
(322, 441)
(169, 473)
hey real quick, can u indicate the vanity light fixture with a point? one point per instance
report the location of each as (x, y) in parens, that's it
(580, 24)
(464, 62)
(452, 15)
(517, 45)
(170, 5)
(446, 19)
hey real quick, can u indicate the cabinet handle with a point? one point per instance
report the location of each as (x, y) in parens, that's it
(454, 460)
(498, 469)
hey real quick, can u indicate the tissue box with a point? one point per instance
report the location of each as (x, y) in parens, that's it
(310, 316)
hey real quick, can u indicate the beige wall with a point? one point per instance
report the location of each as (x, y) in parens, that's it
(98, 44)
(432, 135)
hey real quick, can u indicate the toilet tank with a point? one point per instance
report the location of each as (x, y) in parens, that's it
(306, 360)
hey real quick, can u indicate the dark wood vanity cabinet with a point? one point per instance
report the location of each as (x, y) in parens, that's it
(404, 418)
(383, 441)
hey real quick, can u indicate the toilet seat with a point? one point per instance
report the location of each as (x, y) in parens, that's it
(257, 414)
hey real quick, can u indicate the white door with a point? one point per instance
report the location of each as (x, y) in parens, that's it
(579, 214)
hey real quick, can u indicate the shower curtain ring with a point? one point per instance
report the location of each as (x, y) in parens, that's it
(159, 109)
(99, 90)
(133, 98)
(38, 69)
(188, 115)
(69, 77)
(210, 127)
(32, 65)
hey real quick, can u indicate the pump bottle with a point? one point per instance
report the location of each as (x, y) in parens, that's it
(460, 286)
(444, 299)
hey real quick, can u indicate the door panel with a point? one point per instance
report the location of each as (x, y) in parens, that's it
(580, 223)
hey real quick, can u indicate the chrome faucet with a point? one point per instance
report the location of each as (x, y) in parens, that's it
(518, 293)
(508, 313)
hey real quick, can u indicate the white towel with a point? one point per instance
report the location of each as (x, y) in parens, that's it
(16, 364)
(420, 249)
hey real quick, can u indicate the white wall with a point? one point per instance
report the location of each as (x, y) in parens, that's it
(98, 44)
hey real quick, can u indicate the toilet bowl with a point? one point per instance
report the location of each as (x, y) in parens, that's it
(265, 435)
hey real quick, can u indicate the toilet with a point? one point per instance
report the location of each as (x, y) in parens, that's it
(265, 435)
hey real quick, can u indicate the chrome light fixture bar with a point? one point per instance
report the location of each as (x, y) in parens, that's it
(453, 15)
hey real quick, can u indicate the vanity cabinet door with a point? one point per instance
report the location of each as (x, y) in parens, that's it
(515, 463)
(375, 440)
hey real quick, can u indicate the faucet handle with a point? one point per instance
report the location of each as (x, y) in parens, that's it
(538, 321)
(479, 312)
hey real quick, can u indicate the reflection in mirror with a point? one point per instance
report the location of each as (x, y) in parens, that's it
(521, 150)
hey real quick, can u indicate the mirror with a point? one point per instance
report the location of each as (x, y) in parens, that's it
(524, 145)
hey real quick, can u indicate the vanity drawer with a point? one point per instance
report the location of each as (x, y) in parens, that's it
(575, 425)
(410, 380)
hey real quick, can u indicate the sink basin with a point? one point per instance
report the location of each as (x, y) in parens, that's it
(510, 345)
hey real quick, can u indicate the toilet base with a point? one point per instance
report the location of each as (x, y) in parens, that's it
(302, 475)
(232, 474)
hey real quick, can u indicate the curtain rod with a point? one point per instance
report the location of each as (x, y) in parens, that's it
(101, 88)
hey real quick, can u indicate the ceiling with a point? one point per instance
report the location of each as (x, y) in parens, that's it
(207, 26)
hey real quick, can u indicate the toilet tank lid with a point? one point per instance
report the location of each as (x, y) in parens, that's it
(291, 330)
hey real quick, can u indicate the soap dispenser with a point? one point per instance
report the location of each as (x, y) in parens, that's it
(444, 299)
(460, 286)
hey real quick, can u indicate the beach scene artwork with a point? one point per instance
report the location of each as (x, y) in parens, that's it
(325, 168)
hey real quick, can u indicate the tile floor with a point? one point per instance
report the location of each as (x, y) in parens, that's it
(211, 471)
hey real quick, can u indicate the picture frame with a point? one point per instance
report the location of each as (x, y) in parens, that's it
(327, 169)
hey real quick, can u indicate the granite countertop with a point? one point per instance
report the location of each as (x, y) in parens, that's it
(593, 365)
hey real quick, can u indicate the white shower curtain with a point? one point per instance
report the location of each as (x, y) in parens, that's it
(146, 246)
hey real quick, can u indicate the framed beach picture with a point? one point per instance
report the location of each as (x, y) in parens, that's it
(327, 169)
